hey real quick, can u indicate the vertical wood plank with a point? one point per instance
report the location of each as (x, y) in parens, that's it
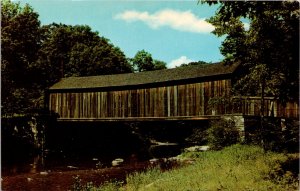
(169, 100)
(175, 101)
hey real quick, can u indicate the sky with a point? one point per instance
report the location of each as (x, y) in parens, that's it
(171, 31)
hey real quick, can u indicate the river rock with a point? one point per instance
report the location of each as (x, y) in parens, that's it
(197, 148)
(154, 161)
(117, 162)
(72, 167)
(43, 173)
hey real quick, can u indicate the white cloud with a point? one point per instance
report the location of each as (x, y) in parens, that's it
(178, 20)
(179, 61)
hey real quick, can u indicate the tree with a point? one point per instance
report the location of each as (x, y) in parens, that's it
(270, 43)
(143, 61)
(35, 57)
(21, 39)
(268, 51)
(202, 63)
(159, 65)
(78, 51)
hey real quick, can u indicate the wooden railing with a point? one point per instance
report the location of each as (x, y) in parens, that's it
(252, 106)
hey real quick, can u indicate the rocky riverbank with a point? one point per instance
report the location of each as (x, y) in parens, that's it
(63, 180)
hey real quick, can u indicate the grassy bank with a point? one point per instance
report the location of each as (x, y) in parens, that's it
(237, 167)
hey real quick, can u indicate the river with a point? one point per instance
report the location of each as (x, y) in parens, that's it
(58, 169)
(87, 150)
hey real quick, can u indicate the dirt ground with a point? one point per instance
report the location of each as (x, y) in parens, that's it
(63, 180)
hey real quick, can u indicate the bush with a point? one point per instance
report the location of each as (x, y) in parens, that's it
(291, 136)
(198, 137)
(274, 134)
(222, 133)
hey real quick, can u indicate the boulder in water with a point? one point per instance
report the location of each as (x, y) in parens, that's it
(197, 148)
(117, 162)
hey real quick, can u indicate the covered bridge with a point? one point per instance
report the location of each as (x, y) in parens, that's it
(163, 94)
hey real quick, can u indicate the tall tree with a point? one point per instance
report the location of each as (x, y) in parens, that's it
(35, 57)
(21, 39)
(143, 61)
(268, 51)
(78, 51)
(271, 43)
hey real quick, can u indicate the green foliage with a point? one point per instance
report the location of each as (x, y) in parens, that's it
(271, 43)
(79, 186)
(137, 181)
(107, 186)
(224, 101)
(198, 137)
(202, 63)
(222, 133)
(20, 40)
(268, 52)
(78, 51)
(143, 61)
(159, 65)
(238, 167)
(261, 81)
(290, 135)
(277, 135)
(34, 57)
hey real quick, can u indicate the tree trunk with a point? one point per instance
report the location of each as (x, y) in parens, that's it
(262, 108)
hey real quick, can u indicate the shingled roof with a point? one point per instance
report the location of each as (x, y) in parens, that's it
(144, 78)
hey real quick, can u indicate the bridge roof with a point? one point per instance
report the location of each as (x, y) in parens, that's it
(145, 78)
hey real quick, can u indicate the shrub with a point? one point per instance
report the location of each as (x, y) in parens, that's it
(78, 185)
(222, 133)
(275, 134)
(198, 137)
(291, 136)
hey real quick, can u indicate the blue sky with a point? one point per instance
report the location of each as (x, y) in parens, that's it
(172, 31)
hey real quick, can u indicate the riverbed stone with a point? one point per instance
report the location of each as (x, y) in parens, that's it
(197, 148)
(72, 167)
(44, 173)
(117, 162)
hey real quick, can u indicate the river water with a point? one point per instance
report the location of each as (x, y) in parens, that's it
(88, 149)
(60, 161)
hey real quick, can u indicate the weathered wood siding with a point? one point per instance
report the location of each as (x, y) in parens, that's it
(177, 100)
(272, 107)
(170, 101)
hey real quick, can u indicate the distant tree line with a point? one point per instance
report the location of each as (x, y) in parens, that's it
(36, 56)
(198, 63)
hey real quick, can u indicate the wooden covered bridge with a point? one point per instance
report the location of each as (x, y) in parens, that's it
(171, 94)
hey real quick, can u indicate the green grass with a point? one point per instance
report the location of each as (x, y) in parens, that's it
(238, 167)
